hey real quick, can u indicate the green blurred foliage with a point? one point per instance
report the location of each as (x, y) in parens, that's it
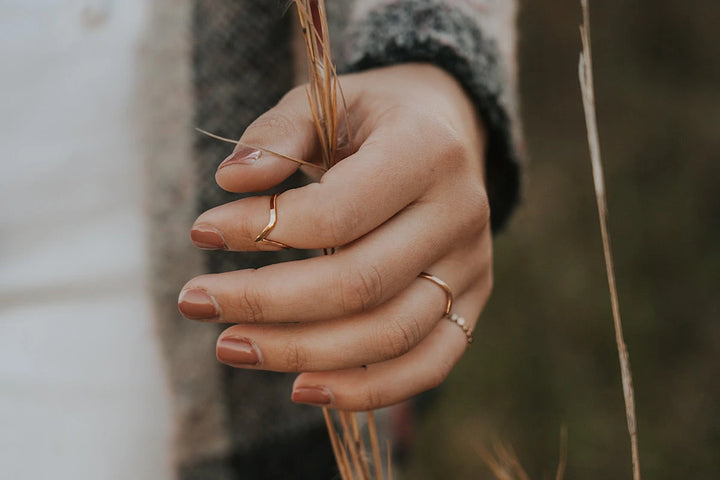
(545, 352)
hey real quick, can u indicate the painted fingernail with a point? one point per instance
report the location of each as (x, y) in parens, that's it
(238, 351)
(312, 395)
(242, 156)
(207, 238)
(196, 304)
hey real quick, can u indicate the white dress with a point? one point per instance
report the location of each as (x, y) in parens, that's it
(82, 389)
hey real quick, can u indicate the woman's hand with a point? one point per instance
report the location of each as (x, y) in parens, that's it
(409, 198)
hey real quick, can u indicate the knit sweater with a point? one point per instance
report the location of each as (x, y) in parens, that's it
(220, 64)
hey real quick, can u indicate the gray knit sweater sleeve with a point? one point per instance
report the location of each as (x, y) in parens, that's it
(472, 39)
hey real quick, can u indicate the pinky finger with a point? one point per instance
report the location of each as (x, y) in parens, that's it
(386, 383)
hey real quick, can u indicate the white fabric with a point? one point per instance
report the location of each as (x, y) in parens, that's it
(82, 388)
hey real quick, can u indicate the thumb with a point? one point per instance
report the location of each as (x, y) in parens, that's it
(286, 129)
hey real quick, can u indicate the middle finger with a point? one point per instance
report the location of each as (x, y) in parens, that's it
(385, 332)
(357, 278)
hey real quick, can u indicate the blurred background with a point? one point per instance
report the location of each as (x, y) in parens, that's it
(545, 352)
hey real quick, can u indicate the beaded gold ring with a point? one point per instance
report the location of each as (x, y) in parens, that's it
(462, 323)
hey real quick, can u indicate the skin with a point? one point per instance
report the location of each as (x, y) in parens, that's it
(411, 197)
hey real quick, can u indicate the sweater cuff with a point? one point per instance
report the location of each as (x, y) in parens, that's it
(433, 31)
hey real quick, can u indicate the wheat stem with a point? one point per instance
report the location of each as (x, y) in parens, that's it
(562, 455)
(588, 93)
(263, 149)
(340, 459)
(360, 445)
(374, 445)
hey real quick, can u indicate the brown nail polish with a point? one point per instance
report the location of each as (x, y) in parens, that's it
(312, 395)
(242, 156)
(196, 304)
(238, 351)
(207, 238)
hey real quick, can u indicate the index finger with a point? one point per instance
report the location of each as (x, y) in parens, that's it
(393, 168)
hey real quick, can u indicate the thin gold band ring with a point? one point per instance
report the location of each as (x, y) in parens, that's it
(455, 318)
(444, 286)
(262, 238)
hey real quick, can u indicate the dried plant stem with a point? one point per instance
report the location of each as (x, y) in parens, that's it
(389, 462)
(502, 462)
(360, 446)
(263, 149)
(588, 92)
(562, 456)
(323, 86)
(349, 443)
(340, 457)
(323, 93)
(372, 432)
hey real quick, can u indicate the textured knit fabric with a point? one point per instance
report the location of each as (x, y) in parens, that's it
(230, 62)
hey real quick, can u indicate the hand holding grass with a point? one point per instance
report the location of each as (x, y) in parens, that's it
(410, 197)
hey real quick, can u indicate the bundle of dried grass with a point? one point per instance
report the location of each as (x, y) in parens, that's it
(325, 99)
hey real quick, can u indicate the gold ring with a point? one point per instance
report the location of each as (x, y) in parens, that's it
(455, 318)
(444, 286)
(262, 238)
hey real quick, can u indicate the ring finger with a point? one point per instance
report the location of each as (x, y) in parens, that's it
(386, 383)
(386, 332)
(321, 215)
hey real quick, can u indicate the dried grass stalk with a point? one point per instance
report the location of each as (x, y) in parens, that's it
(562, 455)
(324, 99)
(503, 462)
(323, 89)
(372, 433)
(588, 94)
(266, 150)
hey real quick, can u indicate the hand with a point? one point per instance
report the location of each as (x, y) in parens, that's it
(410, 198)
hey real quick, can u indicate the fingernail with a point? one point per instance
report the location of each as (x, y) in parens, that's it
(242, 156)
(207, 238)
(312, 395)
(196, 304)
(237, 351)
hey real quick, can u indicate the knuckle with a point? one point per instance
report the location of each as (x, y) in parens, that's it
(474, 218)
(246, 226)
(248, 305)
(371, 398)
(479, 208)
(452, 148)
(481, 205)
(360, 289)
(295, 356)
(397, 337)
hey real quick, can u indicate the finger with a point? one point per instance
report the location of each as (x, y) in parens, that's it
(390, 171)
(286, 129)
(357, 278)
(383, 384)
(386, 332)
